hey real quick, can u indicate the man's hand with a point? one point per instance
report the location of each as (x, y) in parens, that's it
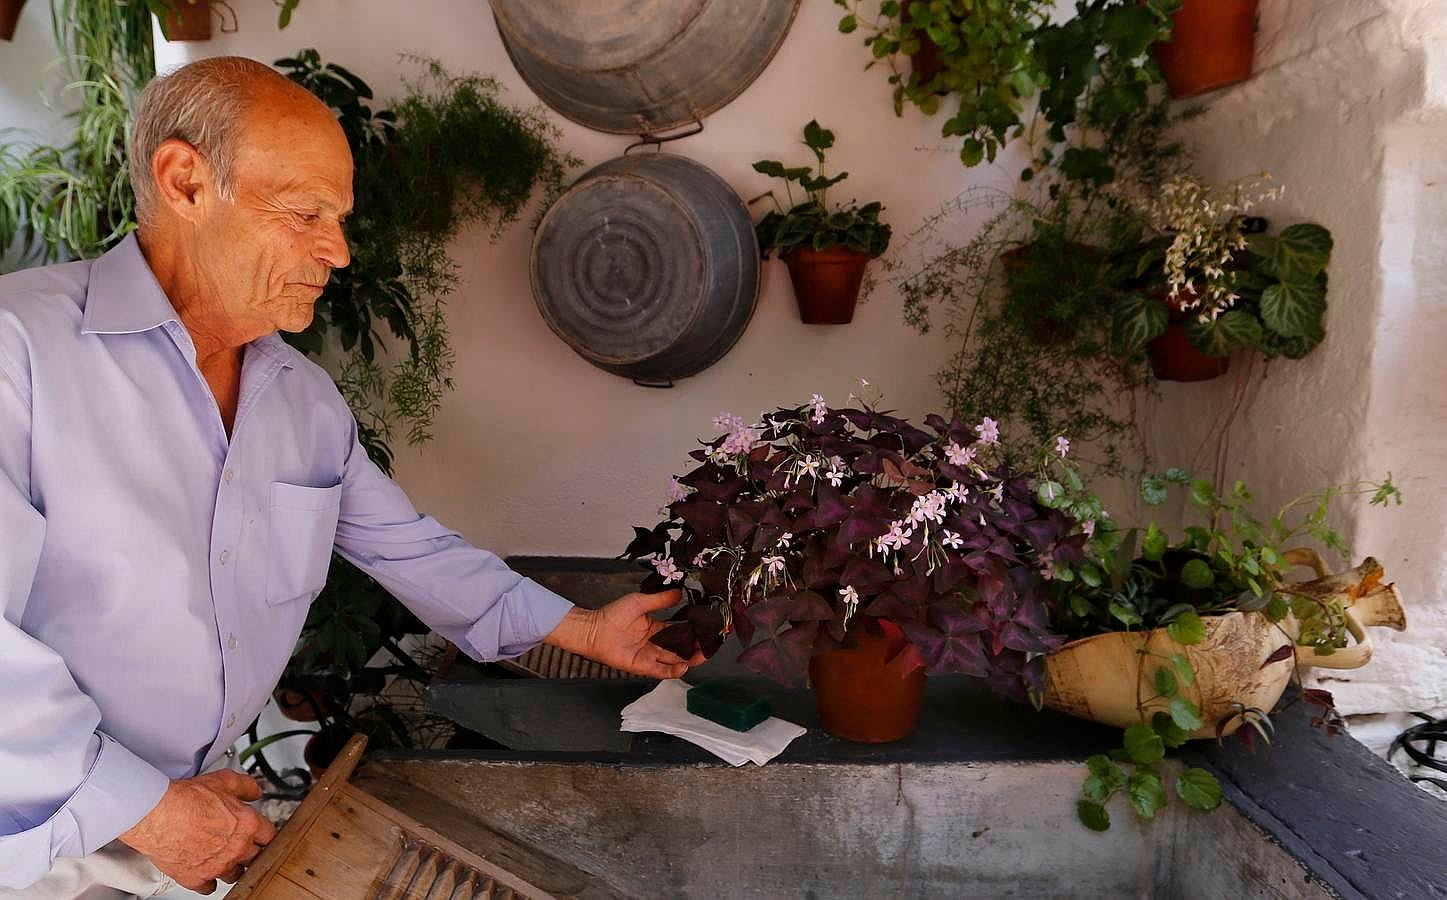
(617, 635)
(202, 830)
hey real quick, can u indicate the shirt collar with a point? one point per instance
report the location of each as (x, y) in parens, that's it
(123, 297)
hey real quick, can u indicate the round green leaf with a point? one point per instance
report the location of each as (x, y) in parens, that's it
(1184, 673)
(1172, 735)
(1197, 574)
(1199, 789)
(1143, 744)
(1301, 251)
(1166, 682)
(1147, 793)
(1293, 309)
(1100, 764)
(1154, 545)
(1187, 629)
(1093, 815)
(1185, 714)
(848, 24)
(1095, 789)
(1234, 330)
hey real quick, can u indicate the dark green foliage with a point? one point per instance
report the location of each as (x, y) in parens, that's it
(76, 201)
(812, 223)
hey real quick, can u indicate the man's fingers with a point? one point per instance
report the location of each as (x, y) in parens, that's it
(662, 600)
(200, 887)
(265, 831)
(232, 875)
(244, 787)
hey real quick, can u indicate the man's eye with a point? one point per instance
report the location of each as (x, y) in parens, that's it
(308, 217)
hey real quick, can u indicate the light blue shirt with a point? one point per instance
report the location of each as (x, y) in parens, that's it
(154, 574)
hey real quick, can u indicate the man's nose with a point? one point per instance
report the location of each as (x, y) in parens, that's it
(331, 249)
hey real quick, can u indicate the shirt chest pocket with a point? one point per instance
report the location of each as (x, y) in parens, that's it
(301, 527)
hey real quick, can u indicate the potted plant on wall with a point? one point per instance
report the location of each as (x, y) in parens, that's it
(1199, 638)
(851, 545)
(826, 248)
(1226, 286)
(1211, 45)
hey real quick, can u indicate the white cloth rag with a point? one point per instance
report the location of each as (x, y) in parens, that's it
(665, 709)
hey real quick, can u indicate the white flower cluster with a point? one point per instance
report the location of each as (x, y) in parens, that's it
(819, 407)
(1204, 222)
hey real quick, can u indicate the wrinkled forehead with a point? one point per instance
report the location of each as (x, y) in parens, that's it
(294, 146)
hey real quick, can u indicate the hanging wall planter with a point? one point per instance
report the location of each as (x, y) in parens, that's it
(9, 16)
(1173, 358)
(826, 283)
(187, 21)
(1212, 44)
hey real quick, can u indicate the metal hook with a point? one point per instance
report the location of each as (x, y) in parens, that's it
(657, 141)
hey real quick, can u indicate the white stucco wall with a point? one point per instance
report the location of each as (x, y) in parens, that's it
(541, 453)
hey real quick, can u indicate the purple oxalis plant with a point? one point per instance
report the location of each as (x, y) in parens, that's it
(797, 530)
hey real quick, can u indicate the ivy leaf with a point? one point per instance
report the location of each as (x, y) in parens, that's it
(1293, 309)
(1143, 744)
(1185, 714)
(1093, 815)
(1199, 789)
(1136, 321)
(1188, 628)
(1301, 251)
(1147, 793)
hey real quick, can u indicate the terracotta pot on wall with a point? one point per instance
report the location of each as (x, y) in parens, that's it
(1172, 356)
(859, 698)
(826, 282)
(188, 21)
(925, 61)
(9, 15)
(1211, 46)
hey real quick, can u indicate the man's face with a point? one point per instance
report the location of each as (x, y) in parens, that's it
(266, 256)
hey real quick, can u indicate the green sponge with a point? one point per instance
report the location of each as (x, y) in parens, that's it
(728, 704)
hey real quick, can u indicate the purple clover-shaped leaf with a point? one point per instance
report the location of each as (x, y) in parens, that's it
(783, 657)
(948, 647)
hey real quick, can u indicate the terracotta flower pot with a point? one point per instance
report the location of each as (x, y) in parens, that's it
(1174, 359)
(321, 749)
(859, 698)
(1101, 678)
(1212, 42)
(925, 62)
(188, 21)
(9, 15)
(826, 282)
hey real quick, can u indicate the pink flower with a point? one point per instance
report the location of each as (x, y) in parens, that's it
(1062, 446)
(988, 430)
(668, 570)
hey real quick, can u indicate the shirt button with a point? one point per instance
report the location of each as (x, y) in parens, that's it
(225, 555)
(231, 642)
(230, 753)
(230, 720)
(230, 475)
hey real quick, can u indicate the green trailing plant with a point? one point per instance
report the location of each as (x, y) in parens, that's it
(984, 59)
(986, 62)
(1236, 287)
(1233, 561)
(75, 201)
(811, 222)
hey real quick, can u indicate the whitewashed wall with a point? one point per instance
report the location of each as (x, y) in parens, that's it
(541, 453)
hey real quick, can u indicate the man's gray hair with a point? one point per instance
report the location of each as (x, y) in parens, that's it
(202, 103)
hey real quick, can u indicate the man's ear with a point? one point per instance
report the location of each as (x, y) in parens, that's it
(182, 176)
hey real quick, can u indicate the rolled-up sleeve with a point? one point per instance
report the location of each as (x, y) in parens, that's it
(466, 594)
(66, 789)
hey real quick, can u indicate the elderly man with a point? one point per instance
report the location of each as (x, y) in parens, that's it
(173, 480)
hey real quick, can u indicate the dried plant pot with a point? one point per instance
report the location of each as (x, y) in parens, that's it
(1173, 358)
(188, 21)
(826, 282)
(9, 16)
(859, 697)
(300, 706)
(1100, 678)
(1211, 46)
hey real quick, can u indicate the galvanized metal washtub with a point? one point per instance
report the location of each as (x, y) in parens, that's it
(1103, 678)
(648, 267)
(641, 66)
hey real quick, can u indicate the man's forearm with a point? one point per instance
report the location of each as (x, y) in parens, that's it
(577, 632)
